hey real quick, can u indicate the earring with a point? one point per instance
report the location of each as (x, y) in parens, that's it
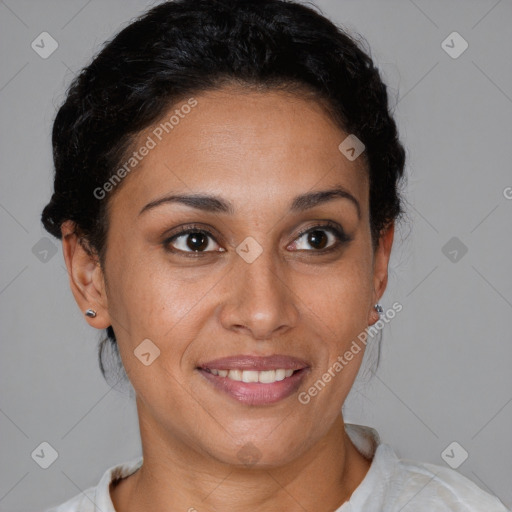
(91, 313)
(379, 309)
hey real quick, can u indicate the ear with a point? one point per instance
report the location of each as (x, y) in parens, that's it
(380, 269)
(86, 277)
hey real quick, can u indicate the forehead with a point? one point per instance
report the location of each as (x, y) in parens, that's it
(247, 145)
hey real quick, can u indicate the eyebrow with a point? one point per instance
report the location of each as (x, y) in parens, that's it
(216, 204)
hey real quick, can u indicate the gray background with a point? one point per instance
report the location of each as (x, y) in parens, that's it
(445, 369)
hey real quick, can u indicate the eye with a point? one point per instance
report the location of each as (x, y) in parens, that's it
(323, 238)
(192, 240)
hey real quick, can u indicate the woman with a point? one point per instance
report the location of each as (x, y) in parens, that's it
(226, 191)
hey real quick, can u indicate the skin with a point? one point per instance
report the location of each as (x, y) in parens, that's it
(258, 150)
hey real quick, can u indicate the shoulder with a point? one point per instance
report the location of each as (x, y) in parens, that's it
(411, 484)
(98, 497)
(393, 483)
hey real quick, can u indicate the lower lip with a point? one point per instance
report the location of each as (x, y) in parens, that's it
(257, 393)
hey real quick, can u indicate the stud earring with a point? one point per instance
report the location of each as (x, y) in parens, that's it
(379, 309)
(90, 313)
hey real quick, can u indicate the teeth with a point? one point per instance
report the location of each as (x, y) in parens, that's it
(265, 377)
(249, 376)
(280, 374)
(235, 374)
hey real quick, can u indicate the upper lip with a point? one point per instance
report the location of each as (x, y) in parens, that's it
(256, 363)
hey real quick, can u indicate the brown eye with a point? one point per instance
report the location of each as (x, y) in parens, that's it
(196, 241)
(321, 238)
(192, 241)
(317, 239)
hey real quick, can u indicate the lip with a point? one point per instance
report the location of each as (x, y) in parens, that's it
(256, 393)
(256, 363)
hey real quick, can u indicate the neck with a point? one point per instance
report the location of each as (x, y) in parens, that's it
(175, 477)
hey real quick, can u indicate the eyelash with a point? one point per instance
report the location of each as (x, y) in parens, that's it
(340, 235)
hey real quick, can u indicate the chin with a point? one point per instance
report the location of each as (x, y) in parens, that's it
(258, 452)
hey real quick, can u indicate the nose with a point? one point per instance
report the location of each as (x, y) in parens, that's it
(261, 299)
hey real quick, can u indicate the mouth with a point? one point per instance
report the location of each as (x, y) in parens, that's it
(255, 380)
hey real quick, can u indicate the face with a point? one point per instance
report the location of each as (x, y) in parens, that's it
(276, 284)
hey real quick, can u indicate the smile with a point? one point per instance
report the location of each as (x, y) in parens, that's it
(255, 380)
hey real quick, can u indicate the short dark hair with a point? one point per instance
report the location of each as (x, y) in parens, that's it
(185, 47)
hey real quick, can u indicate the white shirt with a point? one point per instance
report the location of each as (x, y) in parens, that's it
(390, 485)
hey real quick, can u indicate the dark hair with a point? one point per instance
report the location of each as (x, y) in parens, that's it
(185, 47)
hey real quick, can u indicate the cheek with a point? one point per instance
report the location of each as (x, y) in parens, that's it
(151, 300)
(341, 314)
(340, 298)
(148, 294)
(152, 304)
